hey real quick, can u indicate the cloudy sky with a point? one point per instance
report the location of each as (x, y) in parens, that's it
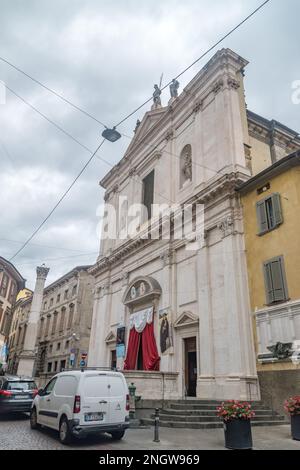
(105, 56)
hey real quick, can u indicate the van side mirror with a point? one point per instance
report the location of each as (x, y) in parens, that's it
(40, 392)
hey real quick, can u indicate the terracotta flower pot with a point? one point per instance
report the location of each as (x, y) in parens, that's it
(238, 434)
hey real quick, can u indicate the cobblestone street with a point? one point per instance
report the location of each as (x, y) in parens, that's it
(15, 434)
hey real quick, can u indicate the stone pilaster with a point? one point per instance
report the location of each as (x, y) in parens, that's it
(28, 355)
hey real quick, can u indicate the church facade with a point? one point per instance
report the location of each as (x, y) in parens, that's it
(173, 313)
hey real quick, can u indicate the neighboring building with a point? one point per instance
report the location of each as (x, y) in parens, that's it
(271, 203)
(18, 329)
(11, 282)
(200, 148)
(64, 327)
(65, 322)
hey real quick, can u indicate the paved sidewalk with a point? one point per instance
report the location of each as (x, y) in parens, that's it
(15, 433)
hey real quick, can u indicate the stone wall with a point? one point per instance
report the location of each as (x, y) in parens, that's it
(276, 386)
(153, 385)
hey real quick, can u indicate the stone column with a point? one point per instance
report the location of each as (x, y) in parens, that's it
(206, 372)
(28, 355)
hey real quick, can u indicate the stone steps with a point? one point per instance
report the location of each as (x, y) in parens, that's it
(191, 406)
(207, 412)
(205, 418)
(202, 414)
(204, 425)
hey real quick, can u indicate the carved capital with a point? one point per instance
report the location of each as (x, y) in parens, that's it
(132, 172)
(218, 85)
(169, 135)
(125, 278)
(226, 226)
(42, 272)
(198, 106)
(233, 83)
(167, 257)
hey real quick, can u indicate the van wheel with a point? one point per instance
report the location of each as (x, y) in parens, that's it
(117, 435)
(65, 435)
(33, 419)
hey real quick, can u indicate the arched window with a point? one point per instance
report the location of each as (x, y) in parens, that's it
(186, 170)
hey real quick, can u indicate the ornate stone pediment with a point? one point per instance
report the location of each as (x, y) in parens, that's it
(186, 319)
(142, 288)
(111, 338)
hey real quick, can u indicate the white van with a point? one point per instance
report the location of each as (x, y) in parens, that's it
(81, 402)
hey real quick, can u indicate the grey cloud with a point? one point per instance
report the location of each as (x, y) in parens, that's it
(105, 56)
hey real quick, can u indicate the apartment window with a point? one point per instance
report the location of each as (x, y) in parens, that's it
(62, 364)
(45, 305)
(4, 285)
(49, 367)
(269, 213)
(58, 347)
(55, 366)
(74, 290)
(67, 345)
(66, 294)
(1, 311)
(62, 319)
(275, 280)
(47, 325)
(50, 348)
(71, 316)
(13, 292)
(41, 328)
(113, 359)
(54, 323)
(51, 303)
(58, 298)
(148, 194)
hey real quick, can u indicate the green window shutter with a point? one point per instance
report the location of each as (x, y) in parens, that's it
(278, 279)
(277, 208)
(275, 280)
(268, 283)
(262, 219)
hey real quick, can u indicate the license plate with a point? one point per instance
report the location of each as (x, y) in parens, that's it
(93, 417)
(22, 397)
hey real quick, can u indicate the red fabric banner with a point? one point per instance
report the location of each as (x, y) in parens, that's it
(132, 350)
(151, 358)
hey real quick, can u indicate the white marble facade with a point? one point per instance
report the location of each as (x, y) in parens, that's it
(204, 291)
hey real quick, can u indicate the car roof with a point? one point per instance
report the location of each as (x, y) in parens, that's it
(18, 378)
(84, 373)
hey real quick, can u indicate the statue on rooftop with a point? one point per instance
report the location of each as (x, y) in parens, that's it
(174, 86)
(156, 96)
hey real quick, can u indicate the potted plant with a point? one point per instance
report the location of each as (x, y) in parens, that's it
(237, 425)
(292, 406)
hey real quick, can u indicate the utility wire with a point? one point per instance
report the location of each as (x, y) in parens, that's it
(148, 100)
(56, 125)
(44, 246)
(196, 61)
(51, 91)
(58, 202)
(118, 124)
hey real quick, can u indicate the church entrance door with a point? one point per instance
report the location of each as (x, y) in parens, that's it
(190, 350)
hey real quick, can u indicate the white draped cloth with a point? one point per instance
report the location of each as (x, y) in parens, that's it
(139, 320)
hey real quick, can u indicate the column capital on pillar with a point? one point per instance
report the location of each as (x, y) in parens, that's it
(42, 272)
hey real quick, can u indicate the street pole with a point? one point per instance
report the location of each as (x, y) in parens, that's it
(156, 426)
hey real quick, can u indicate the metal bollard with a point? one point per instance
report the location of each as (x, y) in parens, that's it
(156, 426)
(132, 390)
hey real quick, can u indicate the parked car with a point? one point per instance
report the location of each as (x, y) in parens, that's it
(16, 394)
(81, 402)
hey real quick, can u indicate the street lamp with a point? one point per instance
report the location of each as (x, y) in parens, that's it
(111, 134)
